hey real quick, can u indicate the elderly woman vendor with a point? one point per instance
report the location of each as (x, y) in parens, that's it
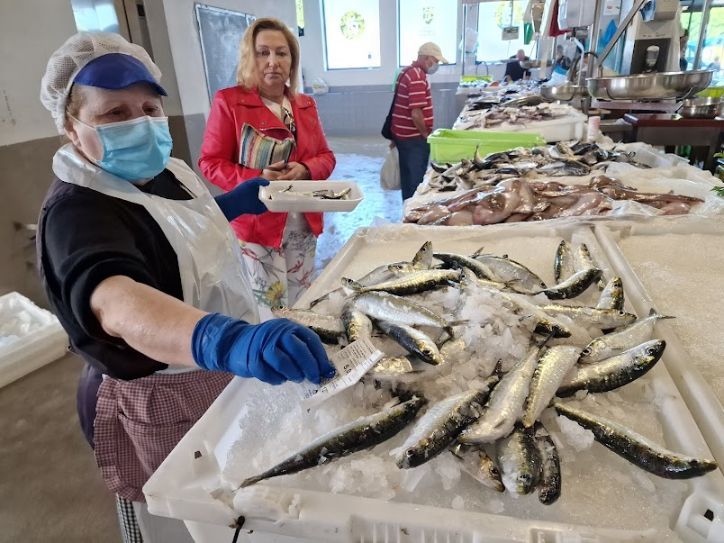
(143, 271)
(262, 126)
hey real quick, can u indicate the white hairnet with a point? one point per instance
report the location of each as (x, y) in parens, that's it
(72, 56)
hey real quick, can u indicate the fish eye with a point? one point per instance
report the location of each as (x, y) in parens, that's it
(586, 351)
(650, 351)
(622, 313)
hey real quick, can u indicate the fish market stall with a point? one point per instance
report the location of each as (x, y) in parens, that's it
(555, 122)
(576, 179)
(462, 444)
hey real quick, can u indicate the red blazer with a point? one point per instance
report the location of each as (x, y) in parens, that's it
(232, 108)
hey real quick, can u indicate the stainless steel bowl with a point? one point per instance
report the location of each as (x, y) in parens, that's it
(701, 108)
(654, 86)
(564, 91)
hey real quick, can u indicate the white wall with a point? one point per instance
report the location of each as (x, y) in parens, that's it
(313, 51)
(30, 30)
(176, 45)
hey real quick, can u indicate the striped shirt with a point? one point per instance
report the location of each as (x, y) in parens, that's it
(413, 92)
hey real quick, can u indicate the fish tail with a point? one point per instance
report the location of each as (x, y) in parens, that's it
(251, 481)
(478, 252)
(654, 313)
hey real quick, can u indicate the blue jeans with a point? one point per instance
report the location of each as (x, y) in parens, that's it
(414, 154)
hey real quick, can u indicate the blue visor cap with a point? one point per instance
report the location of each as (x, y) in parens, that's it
(116, 71)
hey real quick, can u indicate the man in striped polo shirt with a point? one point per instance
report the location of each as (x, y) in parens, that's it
(412, 116)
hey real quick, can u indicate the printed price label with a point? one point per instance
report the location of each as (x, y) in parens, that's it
(351, 364)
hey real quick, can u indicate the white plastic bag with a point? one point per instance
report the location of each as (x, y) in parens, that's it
(319, 86)
(390, 173)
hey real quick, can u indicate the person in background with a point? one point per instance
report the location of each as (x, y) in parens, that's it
(562, 62)
(683, 41)
(513, 70)
(263, 127)
(412, 116)
(144, 273)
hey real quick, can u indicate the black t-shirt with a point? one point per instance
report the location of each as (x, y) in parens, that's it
(514, 70)
(84, 237)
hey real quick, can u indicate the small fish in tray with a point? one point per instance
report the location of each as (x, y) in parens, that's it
(323, 194)
(636, 448)
(363, 433)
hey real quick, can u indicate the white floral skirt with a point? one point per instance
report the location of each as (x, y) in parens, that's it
(280, 276)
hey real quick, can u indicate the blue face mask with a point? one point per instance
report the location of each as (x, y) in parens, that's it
(135, 150)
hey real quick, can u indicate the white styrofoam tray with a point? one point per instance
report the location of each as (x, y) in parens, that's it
(30, 337)
(286, 202)
(571, 126)
(704, 398)
(183, 485)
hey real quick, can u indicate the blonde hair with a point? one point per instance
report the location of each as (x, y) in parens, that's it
(246, 75)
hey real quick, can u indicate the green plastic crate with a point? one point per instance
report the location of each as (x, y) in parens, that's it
(453, 145)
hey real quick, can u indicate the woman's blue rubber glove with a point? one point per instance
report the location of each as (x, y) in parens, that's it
(243, 199)
(274, 351)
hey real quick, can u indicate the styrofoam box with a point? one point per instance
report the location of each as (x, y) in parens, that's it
(286, 202)
(604, 498)
(571, 126)
(30, 337)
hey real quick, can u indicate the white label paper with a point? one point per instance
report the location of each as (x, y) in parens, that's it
(351, 364)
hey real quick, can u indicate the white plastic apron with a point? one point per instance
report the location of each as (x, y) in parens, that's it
(213, 276)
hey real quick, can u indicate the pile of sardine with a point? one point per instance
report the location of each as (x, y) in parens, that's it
(494, 427)
(519, 185)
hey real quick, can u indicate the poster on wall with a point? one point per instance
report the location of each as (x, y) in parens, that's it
(428, 20)
(220, 33)
(352, 31)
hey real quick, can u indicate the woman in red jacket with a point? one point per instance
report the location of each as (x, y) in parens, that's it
(263, 127)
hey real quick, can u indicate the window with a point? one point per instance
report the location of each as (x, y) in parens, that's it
(493, 17)
(352, 33)
(300, 17)
(421, 21)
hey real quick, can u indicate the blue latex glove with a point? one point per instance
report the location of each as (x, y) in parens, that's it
(243, 199)
(274, 351)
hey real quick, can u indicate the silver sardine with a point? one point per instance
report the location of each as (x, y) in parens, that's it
(553, 366)
(505, 406)
(519, 461)
(442, 423)
(616, 371)
(363, 433)
(636, 448)
(620, 340)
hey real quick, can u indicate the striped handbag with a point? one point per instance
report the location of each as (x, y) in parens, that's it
(257, 150)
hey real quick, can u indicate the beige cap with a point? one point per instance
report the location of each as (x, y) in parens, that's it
(433, 50)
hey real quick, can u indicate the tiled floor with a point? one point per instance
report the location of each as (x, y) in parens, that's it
(358, 159)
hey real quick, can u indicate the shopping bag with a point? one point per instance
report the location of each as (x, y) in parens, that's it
(390, 173)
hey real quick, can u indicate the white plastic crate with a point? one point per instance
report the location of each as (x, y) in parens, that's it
(192, 484)
(684, 333)
(30, 337)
